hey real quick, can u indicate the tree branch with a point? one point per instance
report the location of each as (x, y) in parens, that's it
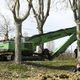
(27, 12)
(39, 11)
(43, 9)
(35, 14)
(48, 10)
(71, 4)
(17, 8)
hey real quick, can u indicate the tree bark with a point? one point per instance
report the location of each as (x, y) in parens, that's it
(40, 47)
(18, 43)
(76, 11)
(77, 19)
(15, 8)
(78, 42)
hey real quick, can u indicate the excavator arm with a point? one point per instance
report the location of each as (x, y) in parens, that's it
(40, 39)
(46, 37)
(64, 46)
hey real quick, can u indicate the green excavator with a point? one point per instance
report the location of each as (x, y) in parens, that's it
(29, 44)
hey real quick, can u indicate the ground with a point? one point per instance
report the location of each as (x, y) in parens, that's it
(39, 70)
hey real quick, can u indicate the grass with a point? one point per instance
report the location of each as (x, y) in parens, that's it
(11, 71)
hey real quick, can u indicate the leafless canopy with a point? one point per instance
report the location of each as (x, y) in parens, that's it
(75, 8)
(15, 5)
(5, 26)
(41, 15)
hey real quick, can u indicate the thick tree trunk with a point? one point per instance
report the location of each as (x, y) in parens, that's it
(78, 42)
(15, 6)
(78, 27)
(40, 47)
(18, 43)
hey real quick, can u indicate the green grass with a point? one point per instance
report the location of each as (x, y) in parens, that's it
(10, 70)
(56, 62)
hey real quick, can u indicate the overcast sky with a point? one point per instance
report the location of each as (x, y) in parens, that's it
(56, 20)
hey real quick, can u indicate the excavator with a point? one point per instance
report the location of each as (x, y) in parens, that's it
(29, 44)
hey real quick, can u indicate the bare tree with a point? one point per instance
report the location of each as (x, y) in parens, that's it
(59, 5)
(5, 27)
(15, 6)
(41, 14)
(75, 5)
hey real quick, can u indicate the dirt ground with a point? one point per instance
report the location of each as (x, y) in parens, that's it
(55, 70)
(62, 72)
(53, 74)
(61, 76)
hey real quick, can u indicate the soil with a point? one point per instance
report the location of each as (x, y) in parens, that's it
(38, 71)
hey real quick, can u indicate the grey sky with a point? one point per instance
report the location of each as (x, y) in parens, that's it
(56, 20)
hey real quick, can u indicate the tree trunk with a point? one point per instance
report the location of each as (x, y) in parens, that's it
(78, 28)
(18, 43)
(6, 36)
(40, 47)
(78, 42)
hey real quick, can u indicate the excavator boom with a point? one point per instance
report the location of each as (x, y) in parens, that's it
(40, 39)
(46, 37)
(64, 46)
